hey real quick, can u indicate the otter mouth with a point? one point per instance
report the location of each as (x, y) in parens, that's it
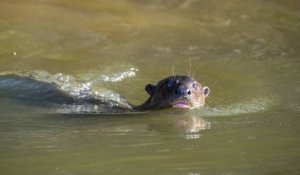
(181, 105)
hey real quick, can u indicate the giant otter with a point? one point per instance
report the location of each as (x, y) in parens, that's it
(179, 91)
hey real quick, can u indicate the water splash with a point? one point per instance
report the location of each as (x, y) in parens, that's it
(90, 87)
(120, 76)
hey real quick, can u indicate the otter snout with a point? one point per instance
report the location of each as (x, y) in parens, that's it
(182, 91)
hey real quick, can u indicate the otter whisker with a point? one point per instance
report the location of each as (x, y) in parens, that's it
(193, 75)
(173, 69)
(190, 64)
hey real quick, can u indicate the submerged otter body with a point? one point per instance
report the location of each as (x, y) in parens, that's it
(178, 91)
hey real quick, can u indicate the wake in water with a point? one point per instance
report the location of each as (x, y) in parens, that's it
(70, 94)
(65, 92)
(252, 106)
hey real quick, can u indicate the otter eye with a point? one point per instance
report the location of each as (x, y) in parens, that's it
(170, 84)
(195, 86)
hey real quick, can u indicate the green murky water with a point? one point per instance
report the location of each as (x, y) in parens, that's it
(247, 52)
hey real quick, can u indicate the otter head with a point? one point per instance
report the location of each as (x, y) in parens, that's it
(176, 92)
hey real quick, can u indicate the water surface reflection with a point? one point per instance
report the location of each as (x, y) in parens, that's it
(247, 52)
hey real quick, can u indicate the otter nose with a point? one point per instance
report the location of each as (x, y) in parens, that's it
(182, 91)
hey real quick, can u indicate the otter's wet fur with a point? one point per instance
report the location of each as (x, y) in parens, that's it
(178, 91)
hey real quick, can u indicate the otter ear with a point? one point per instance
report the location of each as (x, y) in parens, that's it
(206, 91)
(150, 88)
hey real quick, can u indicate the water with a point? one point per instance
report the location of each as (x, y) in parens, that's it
(247, 52)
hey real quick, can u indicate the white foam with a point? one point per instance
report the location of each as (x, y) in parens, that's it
(253, 106)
